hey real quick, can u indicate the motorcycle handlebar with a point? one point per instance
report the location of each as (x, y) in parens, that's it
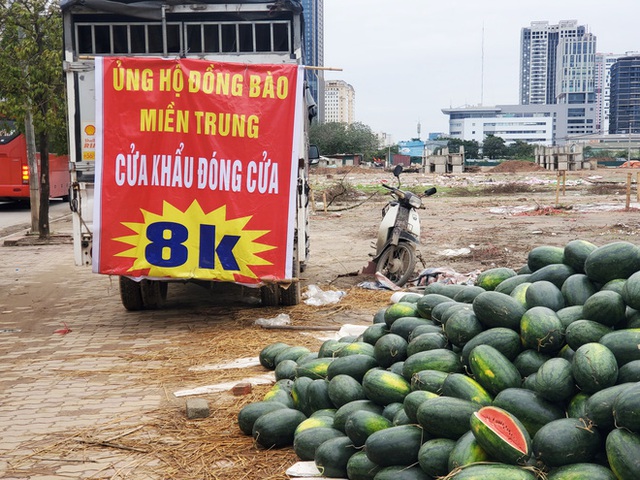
(427, 193)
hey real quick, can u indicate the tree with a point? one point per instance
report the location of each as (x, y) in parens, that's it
(32, 82)
(471, 147)
(494, 147)
(521, 150)
(338, 137)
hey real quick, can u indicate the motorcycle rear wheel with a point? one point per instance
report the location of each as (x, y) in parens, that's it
(398, 262)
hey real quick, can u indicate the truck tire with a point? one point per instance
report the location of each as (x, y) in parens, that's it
(131, 294)
(291, 295)
(270, 295)
(153, 293)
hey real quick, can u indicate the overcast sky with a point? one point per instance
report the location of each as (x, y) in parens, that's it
(408, 59)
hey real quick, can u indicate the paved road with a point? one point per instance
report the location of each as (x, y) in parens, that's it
(16, 216)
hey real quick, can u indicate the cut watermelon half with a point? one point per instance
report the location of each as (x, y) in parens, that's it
(501, 435)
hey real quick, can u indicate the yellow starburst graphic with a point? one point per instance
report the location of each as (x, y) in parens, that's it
(194, 244)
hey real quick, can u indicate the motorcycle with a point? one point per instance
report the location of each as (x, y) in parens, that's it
(399, 233)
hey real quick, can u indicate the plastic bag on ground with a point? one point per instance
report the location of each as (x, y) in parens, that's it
(317, 297)
(278, 320)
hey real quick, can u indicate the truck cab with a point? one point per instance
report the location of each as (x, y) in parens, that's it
(240, 32)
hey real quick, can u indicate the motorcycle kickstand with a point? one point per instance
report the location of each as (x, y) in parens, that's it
(419, 257)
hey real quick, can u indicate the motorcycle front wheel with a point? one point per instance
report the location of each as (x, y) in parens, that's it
(398, 262)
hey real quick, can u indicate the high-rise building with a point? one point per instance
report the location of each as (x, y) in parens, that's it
(624, 110)
(555, 61)
(604, 61)
(313, 54)
(339, 102)
(575, 69)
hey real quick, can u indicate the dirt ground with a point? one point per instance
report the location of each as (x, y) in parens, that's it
(476, 221)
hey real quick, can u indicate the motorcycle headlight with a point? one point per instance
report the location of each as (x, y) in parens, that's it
(415, 201)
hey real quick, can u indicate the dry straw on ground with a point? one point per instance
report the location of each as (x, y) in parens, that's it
(164, 443)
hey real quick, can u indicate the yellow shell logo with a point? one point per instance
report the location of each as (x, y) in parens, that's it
(90, 130)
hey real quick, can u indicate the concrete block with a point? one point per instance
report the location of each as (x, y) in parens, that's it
(197, 408)
(458, 169)
(441, 169)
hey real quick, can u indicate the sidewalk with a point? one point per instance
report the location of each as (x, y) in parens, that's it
(64, 346)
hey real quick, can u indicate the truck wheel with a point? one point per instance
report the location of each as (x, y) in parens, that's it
(154, 293)
(270, 295)
(290, 295)
(131, 294)
(398, 263)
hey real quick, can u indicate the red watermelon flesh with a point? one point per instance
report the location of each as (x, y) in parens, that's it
(501, 435)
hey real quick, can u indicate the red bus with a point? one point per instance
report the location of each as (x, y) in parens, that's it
(14, 169)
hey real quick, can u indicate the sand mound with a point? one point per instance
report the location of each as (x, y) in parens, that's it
(512, 166)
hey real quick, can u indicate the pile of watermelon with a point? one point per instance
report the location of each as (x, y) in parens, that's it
(526, 374)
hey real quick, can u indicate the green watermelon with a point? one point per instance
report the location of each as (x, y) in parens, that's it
(576, 253)
(306, 442)
(631, 291)
(361, 424)
(578, 471)
(611, 261)
(446, 417)
(594, 367)
(544, 294)
(606, 307)
(493, 370)
(397, 445)
(467, 451)
(566, 441)
(462, 386)
(384, 387)
(626, 409)
(623, 454)
(495, 309)
(544, 255)
(554, 380)
(276, 429)
(331, 456)
(490, 279)
(433, 456)
(541, 330)
(577, 289)
(491, 471)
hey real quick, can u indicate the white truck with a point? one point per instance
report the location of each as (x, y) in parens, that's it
(119, 54)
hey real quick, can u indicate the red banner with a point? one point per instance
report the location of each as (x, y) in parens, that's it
(196, 169)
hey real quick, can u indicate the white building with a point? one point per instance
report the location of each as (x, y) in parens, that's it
(339, 102)
(537, 124)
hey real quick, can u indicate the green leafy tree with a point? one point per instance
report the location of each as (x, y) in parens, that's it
(588, 152)
(521, 150)
(337, 137)
(32, 82)
(471, 147)
(494, 147)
